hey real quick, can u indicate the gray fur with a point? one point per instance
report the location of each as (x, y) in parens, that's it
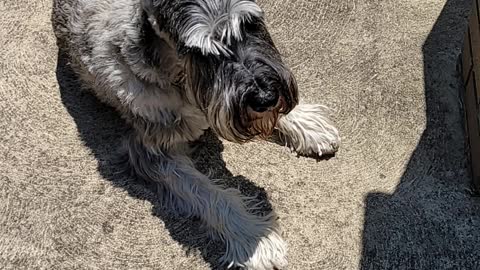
(252, 241)
(173, 68)
(212, 25)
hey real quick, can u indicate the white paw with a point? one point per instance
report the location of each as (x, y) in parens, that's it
(308, 130)
(268, 253)
(271, 253)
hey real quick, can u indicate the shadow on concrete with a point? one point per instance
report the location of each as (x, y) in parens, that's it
(102, 130)
(431, 221)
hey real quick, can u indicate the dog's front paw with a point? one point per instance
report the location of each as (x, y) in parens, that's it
(266, 253)
(308, 130)
(271, 253)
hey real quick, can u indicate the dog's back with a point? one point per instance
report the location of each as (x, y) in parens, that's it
(118, 56)
(73, 22)
(94, 34)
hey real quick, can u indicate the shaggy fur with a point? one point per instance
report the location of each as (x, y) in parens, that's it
(174, 68)
(308, 131)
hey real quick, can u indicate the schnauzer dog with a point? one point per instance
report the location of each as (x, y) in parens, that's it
(174, 68)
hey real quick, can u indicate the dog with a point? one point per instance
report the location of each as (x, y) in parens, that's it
(175, 68)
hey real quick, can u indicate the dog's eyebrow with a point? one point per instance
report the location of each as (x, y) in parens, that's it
(212, 25)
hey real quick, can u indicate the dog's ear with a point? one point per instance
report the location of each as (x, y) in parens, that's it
(212, 25)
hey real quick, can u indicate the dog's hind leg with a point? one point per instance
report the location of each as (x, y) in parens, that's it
(252, 241)
(308, 130)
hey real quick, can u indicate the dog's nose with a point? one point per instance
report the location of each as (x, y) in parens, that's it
(262, 101)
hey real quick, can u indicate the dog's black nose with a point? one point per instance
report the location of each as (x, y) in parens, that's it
(262, 101)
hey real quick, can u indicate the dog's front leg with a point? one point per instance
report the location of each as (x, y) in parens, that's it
(308, 130)
(252, 241)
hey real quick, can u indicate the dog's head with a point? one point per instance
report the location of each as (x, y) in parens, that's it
(233, 70)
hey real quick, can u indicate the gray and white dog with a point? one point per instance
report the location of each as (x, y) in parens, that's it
(174, 68)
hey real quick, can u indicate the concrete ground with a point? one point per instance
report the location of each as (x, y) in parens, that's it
(396, 196)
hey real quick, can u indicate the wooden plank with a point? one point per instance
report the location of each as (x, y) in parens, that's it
(471, 93)
(473, 131)
(466, 57)
(474, 27)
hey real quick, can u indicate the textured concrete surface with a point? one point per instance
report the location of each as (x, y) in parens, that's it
(397, 195)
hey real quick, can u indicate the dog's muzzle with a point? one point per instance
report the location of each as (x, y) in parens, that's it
(263, 114)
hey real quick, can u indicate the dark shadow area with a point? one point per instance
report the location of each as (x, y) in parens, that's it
(102, 130)
(431, 221)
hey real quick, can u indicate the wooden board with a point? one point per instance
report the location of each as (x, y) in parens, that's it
(470, 65)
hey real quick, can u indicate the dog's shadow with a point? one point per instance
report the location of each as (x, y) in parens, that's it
(102, 130)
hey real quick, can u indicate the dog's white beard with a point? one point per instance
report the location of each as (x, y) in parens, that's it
(308, 130)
